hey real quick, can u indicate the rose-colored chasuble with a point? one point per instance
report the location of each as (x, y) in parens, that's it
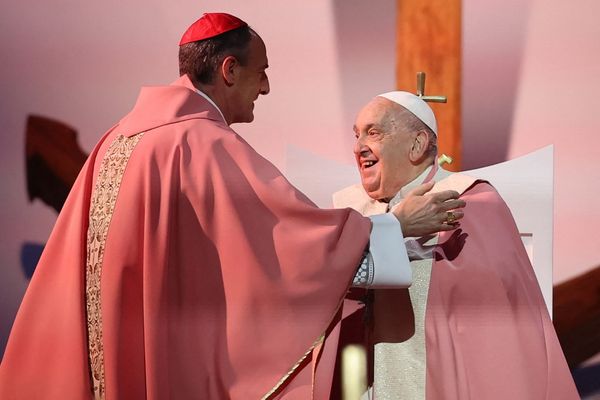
(183, 265)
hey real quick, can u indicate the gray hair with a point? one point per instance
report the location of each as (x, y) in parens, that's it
(402, 119)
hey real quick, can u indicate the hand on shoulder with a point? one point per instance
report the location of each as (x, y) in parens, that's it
(422, 213)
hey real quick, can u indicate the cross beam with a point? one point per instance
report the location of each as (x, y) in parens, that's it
(421, 91)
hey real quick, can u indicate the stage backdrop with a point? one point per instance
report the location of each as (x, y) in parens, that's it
(530, 71)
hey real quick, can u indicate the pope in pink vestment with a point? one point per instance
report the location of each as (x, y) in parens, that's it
(474, 324)
(195, 268)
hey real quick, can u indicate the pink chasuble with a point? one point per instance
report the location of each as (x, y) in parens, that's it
(488, 331)
(474, 324)
(198, 271)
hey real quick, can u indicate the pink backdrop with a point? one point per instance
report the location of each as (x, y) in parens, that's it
(531, 69)
(532, 78)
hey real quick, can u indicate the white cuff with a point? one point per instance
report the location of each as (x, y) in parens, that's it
(392, 267)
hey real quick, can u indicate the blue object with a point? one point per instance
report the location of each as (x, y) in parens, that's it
(30, 255)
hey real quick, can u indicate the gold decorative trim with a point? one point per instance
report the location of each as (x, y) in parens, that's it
(320, 340)
(294, 367)
(102, 207)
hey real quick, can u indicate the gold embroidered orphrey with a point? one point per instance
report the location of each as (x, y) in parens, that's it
(102, 207)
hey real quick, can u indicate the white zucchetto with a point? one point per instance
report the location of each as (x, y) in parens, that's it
(413, 103)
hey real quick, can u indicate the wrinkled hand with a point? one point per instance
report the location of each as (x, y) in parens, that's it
(422, 213)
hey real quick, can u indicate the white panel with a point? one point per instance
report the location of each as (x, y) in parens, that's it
(526, 184)
(527, 239)
(316, 176)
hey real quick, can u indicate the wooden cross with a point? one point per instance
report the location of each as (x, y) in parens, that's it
(421, 91)
(429, 39)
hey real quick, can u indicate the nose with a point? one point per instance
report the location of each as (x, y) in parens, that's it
(264, 87)
(360, 148)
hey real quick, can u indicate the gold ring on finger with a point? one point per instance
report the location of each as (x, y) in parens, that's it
(450, 217)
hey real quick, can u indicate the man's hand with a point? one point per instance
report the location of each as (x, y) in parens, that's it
(422, 213)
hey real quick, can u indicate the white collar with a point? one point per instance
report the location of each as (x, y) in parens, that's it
(409, 186)
(201, 93)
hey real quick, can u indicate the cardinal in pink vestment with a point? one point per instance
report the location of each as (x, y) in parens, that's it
(211, 264)
(474, 324)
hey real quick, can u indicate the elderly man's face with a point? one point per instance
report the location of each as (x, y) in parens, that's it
(253, 81)
(382, 148)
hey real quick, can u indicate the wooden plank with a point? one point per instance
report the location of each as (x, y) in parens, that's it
(577, 316)
(429, 40)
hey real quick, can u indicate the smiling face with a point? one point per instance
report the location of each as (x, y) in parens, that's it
(251, 83)
(383, 148)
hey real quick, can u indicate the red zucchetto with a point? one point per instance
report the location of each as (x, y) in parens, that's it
(211, 25)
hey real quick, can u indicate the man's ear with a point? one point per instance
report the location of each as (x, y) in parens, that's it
(229, 70)
(419, 147)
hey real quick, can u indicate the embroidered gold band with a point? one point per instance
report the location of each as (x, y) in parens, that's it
(102, 207)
